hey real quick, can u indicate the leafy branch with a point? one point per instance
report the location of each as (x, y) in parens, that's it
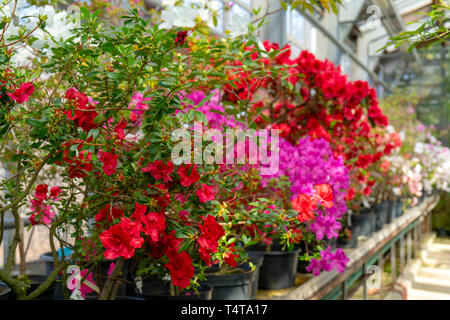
(433, 32)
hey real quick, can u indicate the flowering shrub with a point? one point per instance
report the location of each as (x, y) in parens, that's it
(418, 167)
(312, 97)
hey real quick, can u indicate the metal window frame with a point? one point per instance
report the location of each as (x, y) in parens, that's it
(345, 49)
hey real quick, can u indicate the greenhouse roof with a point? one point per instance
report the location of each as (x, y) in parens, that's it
(408, 6)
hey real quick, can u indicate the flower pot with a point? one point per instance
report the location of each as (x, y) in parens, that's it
(233, 286)
(441, 232)
(279, 268)
(391, 211)
(302, 265)
(5, 291)
(258, 260)
(119, 298)
(100, 276)
(381, 214)
(398, 207)
(332, 243)
(160, 290)
(36, 281)
(363, 224)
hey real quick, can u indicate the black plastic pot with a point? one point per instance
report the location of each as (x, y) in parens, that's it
(232, 286)
(441, 232)
(332, 243)
(36, 281)
(302, 265)
(279, 268)
(391, 211)
(257, 259)
(381, 213)
(119, 298)
(363, 224)
(160, 290)
(5, 291)
(100, 276)
(398, 207)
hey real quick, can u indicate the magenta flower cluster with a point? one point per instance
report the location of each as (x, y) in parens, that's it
(212, 109)
(309, 163)
(328, 261)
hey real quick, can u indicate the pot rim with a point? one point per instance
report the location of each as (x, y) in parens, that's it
(5, 287)
(277, 252)
(205, 286)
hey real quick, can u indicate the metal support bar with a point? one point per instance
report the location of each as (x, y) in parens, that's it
(364, 282)
(416, 240)
(381, 265)
(402, 253)
(393, 261)
(408, 247)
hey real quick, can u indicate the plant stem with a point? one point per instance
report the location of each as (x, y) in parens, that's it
(108, 288)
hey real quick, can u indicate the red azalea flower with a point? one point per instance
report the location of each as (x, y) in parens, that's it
(154, 225)
(163, 196)
(388, 149)
(79, 165)
(181, 268)
(119, 129)
(210, 234)
(55, 192)
(350, 194)
(120, 240)
(367, 191)
(382, 120)
(364, 161)
(325, 195)
(181, 37)
(376, 157)
(187, 179)
(83, 118)
(109, 162)
(22, 94)
(139, 212)
(41, 192)
(304, 205)
(206, 193)
(159, 170)
(109, 213)
(230, 257)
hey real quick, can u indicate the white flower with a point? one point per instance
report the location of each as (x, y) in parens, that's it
(167, 3)
(22, 56)
(419, 147)
(7, 7)
(390, 129)
(238, 25)
(204, 14)
(215, 5)
(183, 16)
(418, 168)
